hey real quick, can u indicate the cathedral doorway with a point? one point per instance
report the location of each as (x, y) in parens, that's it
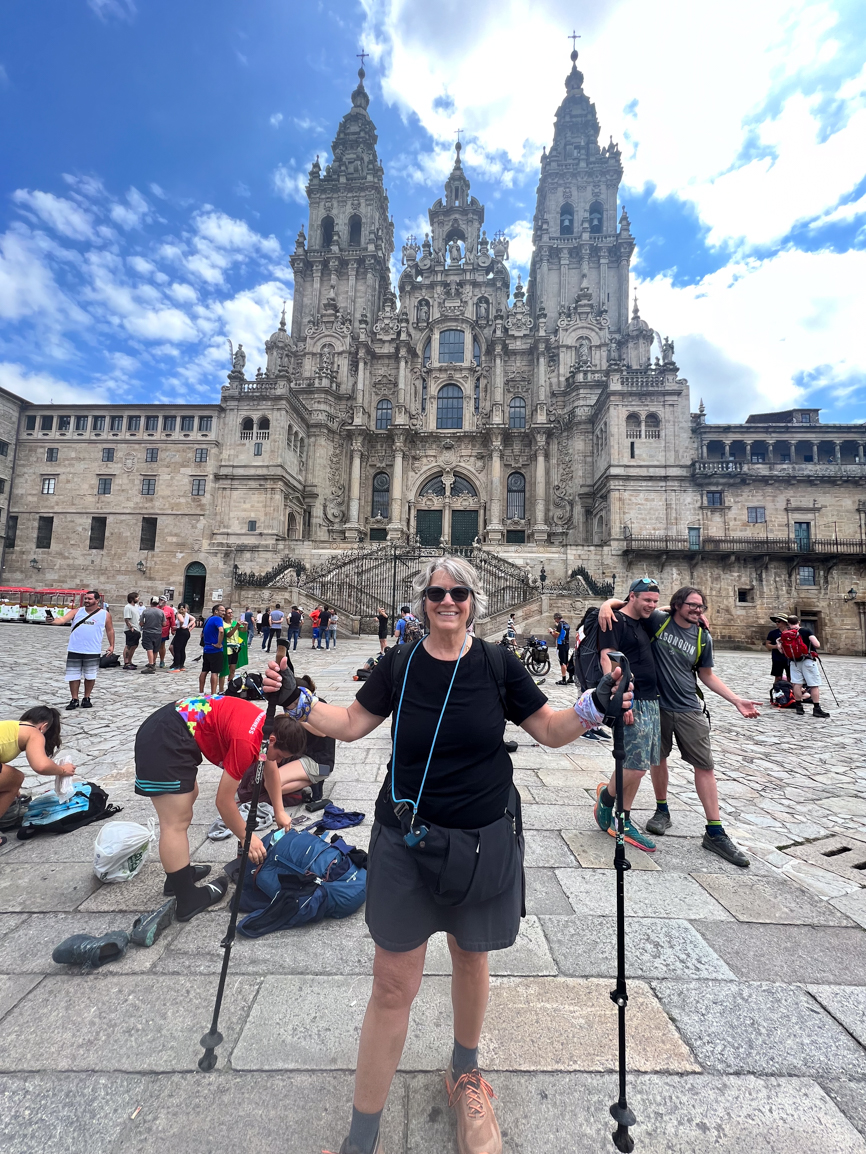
(428, 525)
(464, 527)
(194, 587)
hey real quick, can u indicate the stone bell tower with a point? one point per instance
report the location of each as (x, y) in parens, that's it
(344, 259)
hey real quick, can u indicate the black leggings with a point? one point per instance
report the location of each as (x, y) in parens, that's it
(180, 640)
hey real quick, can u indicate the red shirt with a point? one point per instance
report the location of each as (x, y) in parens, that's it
(169, 620)
(227, 730)
(314, 618)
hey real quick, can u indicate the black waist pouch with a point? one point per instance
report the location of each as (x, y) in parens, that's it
(468, 866)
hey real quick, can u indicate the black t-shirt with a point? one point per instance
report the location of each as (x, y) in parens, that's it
(471, 773)
(325, 618)
(774, 635)
(631, 638)
(294, 619)
(266, 619)
(382, 618)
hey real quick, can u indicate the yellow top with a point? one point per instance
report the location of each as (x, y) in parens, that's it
(9, 740)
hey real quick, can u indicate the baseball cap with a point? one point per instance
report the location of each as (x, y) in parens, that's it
(644, 585)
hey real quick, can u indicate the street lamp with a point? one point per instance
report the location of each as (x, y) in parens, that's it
(141, 567)
(34, 564)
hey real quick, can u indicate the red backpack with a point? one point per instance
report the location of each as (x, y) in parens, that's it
(793, 645)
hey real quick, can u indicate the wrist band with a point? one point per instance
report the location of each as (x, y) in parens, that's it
(587, 712)
(302, 708)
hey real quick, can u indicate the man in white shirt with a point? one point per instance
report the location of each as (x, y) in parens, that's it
(131, 614)
(85, 645)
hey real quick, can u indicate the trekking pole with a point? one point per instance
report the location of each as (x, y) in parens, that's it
(827, 679)
(213, 1037)
(619, 1111)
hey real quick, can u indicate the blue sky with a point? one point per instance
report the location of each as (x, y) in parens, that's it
(154, 157)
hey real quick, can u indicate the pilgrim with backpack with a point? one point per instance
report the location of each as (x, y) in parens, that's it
(800, 646)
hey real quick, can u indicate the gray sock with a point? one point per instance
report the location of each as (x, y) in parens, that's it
(364, 1130)
(463, 1060)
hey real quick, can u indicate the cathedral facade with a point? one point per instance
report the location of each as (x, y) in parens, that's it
(547, 422)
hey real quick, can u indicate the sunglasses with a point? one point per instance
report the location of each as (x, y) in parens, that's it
(459, 593)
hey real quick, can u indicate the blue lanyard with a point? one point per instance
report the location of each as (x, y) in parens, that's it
(417, 801)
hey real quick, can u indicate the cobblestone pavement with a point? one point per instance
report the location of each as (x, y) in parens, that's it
(747, 1011)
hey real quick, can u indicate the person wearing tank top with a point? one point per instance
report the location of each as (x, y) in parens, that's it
(37, 735)
(88, 624)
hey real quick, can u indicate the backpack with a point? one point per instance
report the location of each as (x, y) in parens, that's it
(109, 661)
(782, 695)
(793, 645)
(302, 880)
(48, 814)
(412, 630)
(587, 663)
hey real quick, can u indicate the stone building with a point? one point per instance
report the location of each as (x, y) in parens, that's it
(547, 421)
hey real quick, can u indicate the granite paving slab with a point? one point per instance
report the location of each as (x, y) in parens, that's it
(762, 952)
(687, 855)
(849, 1094)
(544, 894)
(847, 1004)
(759, 1028)
(134, 1023)
(67, 1113)
(9, 922)
(35, 887)
(76, 846)
(853, 905)
(528, 956)
(557, 817)
(13, 987)
(531, 1023)
(141, 893)
(28, 949)
(654, 947)
(545, 847)
(688, 823)
(647, 895)
(552, 1113)
(751, 898)
(574, 780)
(594, 850)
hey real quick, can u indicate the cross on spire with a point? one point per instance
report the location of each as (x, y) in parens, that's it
(362, 56)
(573, 37)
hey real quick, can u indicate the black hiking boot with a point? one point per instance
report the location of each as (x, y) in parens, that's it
(817, 711)
(722, 845)
(798, 709)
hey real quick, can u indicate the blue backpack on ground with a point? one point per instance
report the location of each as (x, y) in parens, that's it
(48, 814)
(302, 879)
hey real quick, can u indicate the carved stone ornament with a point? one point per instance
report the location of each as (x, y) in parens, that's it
(128, 462)
(448, 455)
(384, 384)
(387, 323)
(335, 505)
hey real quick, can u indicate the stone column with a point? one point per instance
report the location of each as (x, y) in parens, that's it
(494, 529)
(814, 452)
(353, 526)
(703, 453)
(726, 455)
(771, 445)
(498, 383)
(353, 267)
(837, 452)
(861, 448)
(563, 276)
(748, 445)
(539, 528)
(396, 529)
(317, 280)
(400, 418)
(359, 386)
(623, 296)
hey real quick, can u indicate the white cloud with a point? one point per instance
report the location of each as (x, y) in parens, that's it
(119, 9)
(842, 213)
(42, 387)
(157, 191)
(4, 77)
(133, 213)
(276, 119)
(289, 185)
(64, 216)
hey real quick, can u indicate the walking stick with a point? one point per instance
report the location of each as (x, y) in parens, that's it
(619, 1111)
(827, 679)
(213, 1037)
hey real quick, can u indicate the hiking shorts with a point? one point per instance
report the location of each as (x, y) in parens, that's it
(562, 652)
(806, 671)
(212, 662)
(151, 641)
(780, 664)
(692, 733)
(643, 739)
(80, 665)
(132, 638)
(166, 755)
(402, 915)
(314, 771)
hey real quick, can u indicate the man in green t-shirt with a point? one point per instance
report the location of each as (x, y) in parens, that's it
(682, 651)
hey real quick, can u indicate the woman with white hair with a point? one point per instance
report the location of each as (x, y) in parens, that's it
(446, 851)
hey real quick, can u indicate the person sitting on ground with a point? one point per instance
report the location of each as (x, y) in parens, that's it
(212, 643)
(800, 645)
(562, 633)
(37, 735)
(152, 622)
(169, 747)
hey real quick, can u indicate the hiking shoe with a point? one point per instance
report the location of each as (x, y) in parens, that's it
(86, 703)
(561, 682)
(147, 927)
(470, 1098)
(199, 872)
(798, 708)
(149, 669)
(73, 704)
(724, 847)
(162, 665)
(602, 813)
(16, 813)
(817, 711)
(91, 952)
(591, 735)
(659, 822)
(633, 836)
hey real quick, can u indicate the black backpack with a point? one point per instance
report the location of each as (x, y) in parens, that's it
(48, 814)
(109, 661)
(587, 663)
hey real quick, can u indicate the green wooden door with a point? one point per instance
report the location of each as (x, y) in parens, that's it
(428, 525)
(464, 527)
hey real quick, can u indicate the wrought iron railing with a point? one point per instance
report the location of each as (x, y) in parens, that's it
(254, 580)
(596, 587)
(849, 546)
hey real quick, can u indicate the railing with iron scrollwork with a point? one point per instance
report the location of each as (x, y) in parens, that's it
(261, 580)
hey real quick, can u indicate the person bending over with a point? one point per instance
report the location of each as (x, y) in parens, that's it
(37, 735)
(170, 746)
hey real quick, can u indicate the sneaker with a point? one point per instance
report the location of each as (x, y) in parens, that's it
(470, 1098)
(603, 734)
(724, 847)
(86, 703)
(798, 708)
(817, 711)
(659, 822)
(15, 814)
(602, 813)
(162, 665)
(73, 704)
(149, 669)
(562, 681)
(591, 735)
(633, 836)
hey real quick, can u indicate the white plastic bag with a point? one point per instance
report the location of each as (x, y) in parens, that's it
(121, 849)
(64, 786)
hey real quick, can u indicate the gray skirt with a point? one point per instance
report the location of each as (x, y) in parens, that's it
(401, 913)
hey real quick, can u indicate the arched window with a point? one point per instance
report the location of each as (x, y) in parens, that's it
(566, 220)
(435, 487)
(596, 217)
(264, 423)
(451, 347)
(425, 359)
(517, 413)
(652, 426)
(247, 426)
(599, 530)
(632, 427)
(423, 397)
(460, 487)
(381, 494)
(292, 527)
(515, 505)
(383, 414)
(295, 442)
(477, 396)
(476, 351)
(354, 231)
(327, 231)
(449, 407)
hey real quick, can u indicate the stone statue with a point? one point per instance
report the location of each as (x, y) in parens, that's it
(484, 243)
(239, 359)
(455, 253)
(327, 359)
(423, 312)
(667, 351)
(613, 350)
(584, 353)
(482, 311)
